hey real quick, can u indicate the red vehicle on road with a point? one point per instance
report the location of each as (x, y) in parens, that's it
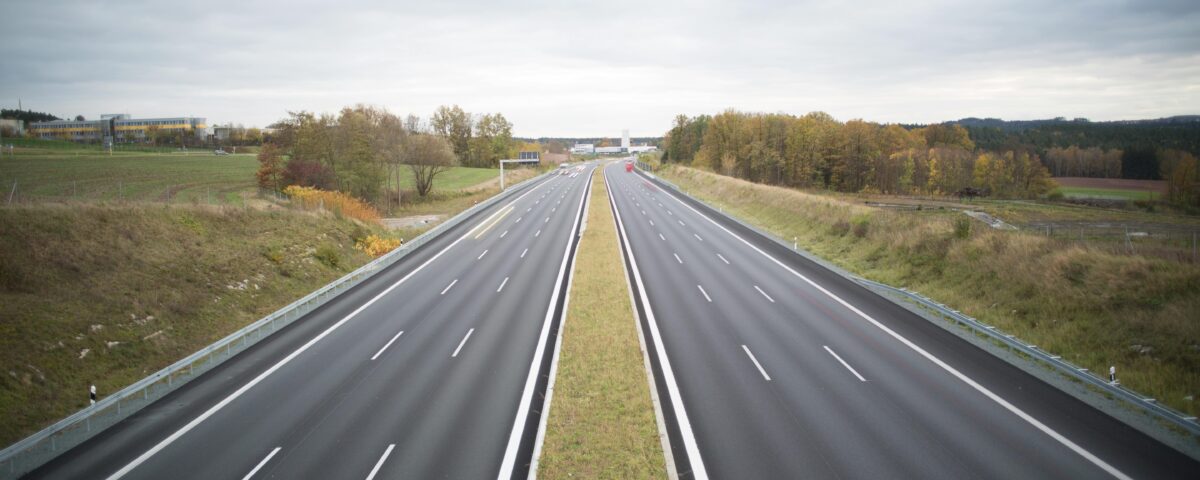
(628, 166)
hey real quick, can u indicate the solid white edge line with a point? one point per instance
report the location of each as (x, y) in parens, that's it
(936, 361)
(463, 342)
(681, 416)
(764, 294)
(260, 464)
(447, 289)
(386, 345)
(706, 297)
(540, 438)
(756, 364)
(240, 391)
(502, 284)
(844, 364)
(382, 459)
(509, 463)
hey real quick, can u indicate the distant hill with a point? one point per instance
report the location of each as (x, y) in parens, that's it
(1178, 132)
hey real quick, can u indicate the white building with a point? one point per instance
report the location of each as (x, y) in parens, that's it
(625, 139)
(583, 148)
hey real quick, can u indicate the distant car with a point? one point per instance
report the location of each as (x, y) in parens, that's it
(628, 166)
(220, 152)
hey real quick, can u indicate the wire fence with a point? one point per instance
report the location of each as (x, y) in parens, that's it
(42, 447)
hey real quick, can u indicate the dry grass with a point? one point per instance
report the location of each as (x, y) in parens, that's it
(1094, 307)
(601, 422)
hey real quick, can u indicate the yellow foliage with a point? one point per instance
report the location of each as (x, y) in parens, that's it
(376, 246)
(312, 198)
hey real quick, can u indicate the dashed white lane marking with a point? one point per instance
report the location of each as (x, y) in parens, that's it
(260, 464)
(764, 294)
(844, 364)
(480, 257)
(539, 232)
(652, 223)
(643, 212)
(463, 342)
(697, 237)
(677, 258)
(528, 209)
(669, 213)
(447, 289)
(386, 345)
(756, 364)
(382, 459)
(523, 253)
(503, 234)
(518, 220)
(723, 259)
(547, 220)
(662, 237)
(502, 284)
(706, 297)
(682, 224)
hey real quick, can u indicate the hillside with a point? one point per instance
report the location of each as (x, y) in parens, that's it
(107, 294)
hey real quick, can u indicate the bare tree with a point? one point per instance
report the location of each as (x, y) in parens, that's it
(427, 156)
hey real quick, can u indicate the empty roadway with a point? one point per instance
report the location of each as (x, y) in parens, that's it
(418, 372)
(770, 366)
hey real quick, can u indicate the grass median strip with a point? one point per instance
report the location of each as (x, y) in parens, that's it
(601, 422)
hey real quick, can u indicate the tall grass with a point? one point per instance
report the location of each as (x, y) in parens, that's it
(1093, 306)
(312, 198)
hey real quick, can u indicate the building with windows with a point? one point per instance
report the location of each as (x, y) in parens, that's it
(118, 128)
(583, 148)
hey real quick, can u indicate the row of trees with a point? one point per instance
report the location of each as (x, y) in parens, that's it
(356, 151)
(1084, 162)
(815, 150)
(478, 140)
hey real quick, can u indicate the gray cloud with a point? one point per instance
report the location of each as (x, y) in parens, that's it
(581, 68)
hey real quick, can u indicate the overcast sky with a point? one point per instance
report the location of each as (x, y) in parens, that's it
(559, 68)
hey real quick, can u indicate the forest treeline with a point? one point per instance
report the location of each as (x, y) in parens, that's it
(815, 150)
(1175, 133)
(360, 148)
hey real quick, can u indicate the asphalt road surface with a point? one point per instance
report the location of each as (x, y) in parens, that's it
(770, 366)
(430, 369)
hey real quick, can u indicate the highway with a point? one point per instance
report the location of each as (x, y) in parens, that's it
(432, 368)
(770, 366)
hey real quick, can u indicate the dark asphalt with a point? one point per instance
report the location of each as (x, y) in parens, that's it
(728, 316)
(333, 412)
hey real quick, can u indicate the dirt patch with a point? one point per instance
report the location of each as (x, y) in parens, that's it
(1114, 183)
(416, 221)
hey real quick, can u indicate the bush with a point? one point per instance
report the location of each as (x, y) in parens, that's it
(1055, 196)
(962, 228)
(376, 246)
(337, 202)
(328, 256)
(861, 226)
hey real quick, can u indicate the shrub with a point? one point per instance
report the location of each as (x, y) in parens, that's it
(376, 246)
(338, 202)
(328, 256)
(1055, 196)
(861, 226)
(962, 228)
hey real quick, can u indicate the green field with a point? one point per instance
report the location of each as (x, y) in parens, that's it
(1109, 193)
(53, 172)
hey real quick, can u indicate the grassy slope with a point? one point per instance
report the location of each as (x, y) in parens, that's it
(1093, 307)
(601, 422)
(162, 282)
(1109, 193)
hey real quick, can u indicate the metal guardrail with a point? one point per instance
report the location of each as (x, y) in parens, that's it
(43, 446)
(1168, 414)
(1074, 371)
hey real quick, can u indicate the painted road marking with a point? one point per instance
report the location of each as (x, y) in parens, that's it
(697, 237)
(491, 223)
(463, 342)
(651, 223)
(539, 232)
(503, 234)
(706, 297)
(447, 289)
(682, 224)
(386, 345)
(502, 284)
(677, 258)
(662, 237)
(844, 364)
(723, 259)
(523, 253)
(756, 364)
(764, 294)
(382, 459)
(260, 464)
(480, 257)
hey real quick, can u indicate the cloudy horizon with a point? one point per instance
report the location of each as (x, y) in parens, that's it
(583, 70)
